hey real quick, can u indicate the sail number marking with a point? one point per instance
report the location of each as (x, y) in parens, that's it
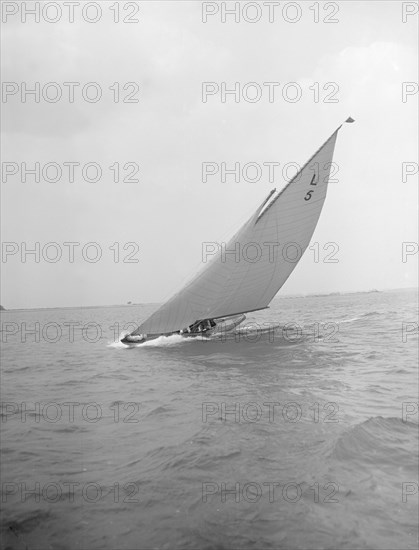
(330, 168)
(309, 193)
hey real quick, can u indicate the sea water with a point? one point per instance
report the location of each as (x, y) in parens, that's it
(304, 436)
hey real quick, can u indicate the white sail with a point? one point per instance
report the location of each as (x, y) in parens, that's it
(248, 272)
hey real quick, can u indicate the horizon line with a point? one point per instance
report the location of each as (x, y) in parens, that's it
(300, 295)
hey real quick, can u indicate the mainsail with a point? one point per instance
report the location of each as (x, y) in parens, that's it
(249, 270)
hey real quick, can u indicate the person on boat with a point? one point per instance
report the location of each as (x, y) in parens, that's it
(202, 326)
(194, 327)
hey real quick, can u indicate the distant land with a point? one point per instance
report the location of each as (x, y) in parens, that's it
(278, 297)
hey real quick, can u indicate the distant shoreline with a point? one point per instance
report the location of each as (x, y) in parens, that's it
(280, 296)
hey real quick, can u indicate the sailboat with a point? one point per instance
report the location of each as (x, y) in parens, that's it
(245, 276)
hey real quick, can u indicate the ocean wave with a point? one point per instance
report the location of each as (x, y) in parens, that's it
(160, 410)
(379, 440)
(26, 522)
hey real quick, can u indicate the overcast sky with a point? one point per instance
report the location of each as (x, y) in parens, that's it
(369, 212)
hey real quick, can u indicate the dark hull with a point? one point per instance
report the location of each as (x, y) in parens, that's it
(131, 341)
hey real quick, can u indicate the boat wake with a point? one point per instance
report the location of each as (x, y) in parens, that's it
(361, 317)
(248, 334)
(165, 341)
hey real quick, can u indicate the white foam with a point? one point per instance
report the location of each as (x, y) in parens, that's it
(165, 341)
(118, 345)
(350, 320)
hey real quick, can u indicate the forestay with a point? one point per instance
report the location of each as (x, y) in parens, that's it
(247, 273)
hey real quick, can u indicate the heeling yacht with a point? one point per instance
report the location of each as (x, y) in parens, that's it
(229, 286)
